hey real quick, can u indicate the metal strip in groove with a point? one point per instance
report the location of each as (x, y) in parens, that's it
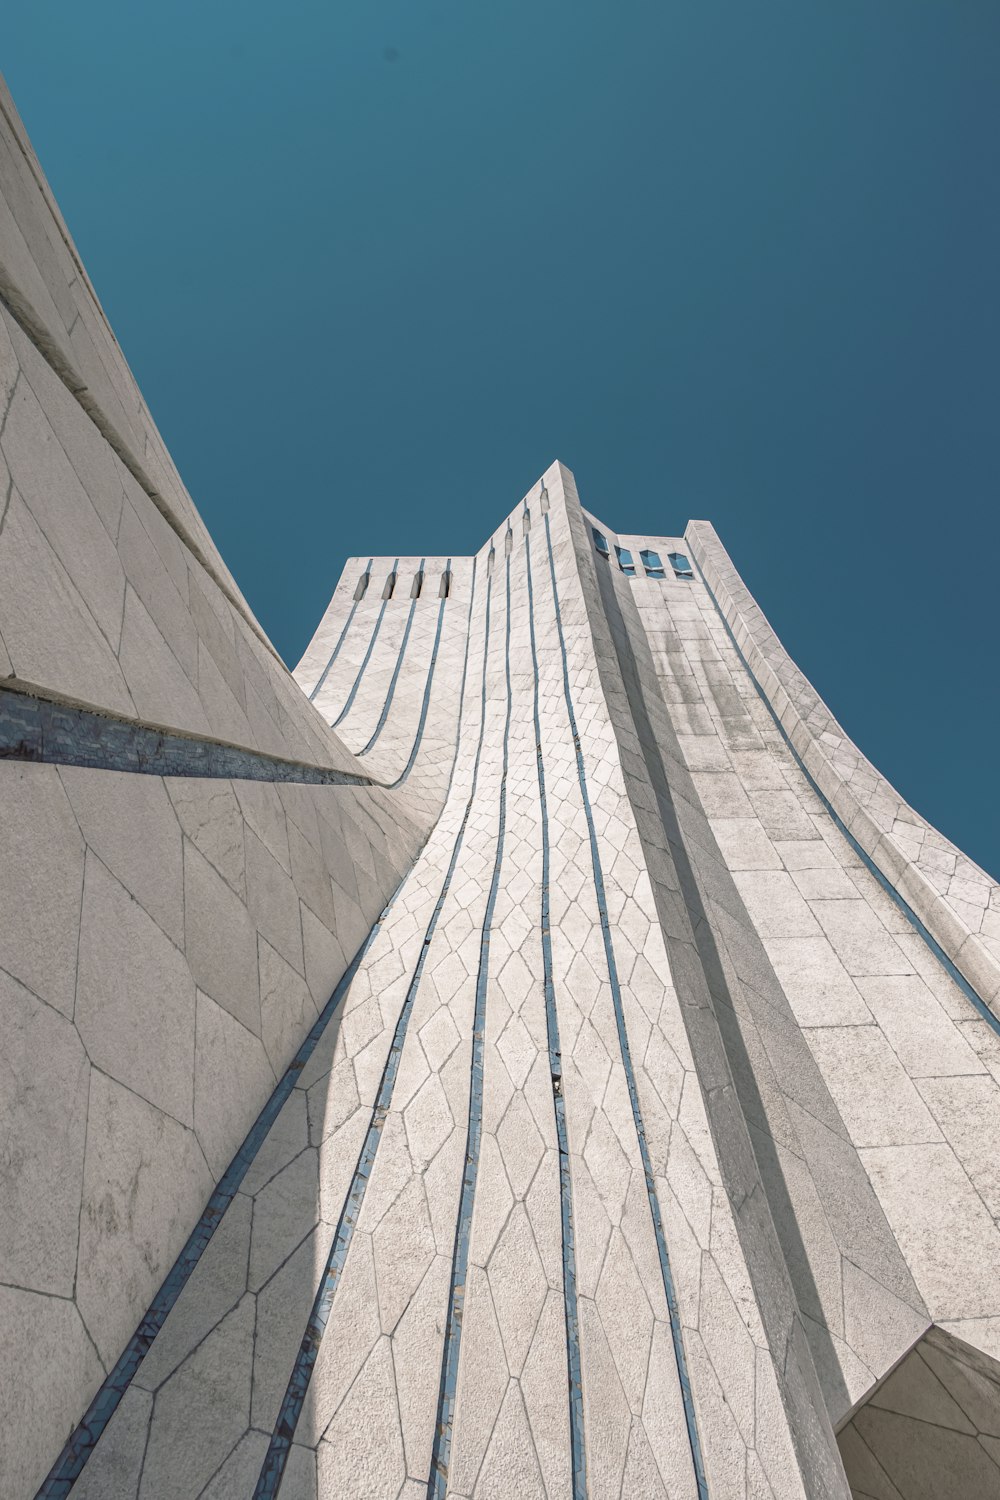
(35, 726)
(680, 1356)
(398, 667)
(279, 1447)
(430, 678)
(437, 1484)
(948, 964)
(83, 1440)
(367, 658)
(340, 641)
(578, 1448)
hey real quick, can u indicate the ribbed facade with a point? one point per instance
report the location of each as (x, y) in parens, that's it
(528, 1051)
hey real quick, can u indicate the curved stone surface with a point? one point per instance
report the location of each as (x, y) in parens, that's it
(595, 1094)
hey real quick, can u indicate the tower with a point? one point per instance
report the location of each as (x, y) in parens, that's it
(530, 1051)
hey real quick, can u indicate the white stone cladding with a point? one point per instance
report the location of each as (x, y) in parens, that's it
(623, 1134)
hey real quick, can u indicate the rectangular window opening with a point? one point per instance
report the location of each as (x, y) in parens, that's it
(680, 564)
(625, 561)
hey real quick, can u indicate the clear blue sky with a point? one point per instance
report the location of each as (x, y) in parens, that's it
(376, 263)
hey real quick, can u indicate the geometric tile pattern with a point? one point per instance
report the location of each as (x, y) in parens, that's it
(587, 1085)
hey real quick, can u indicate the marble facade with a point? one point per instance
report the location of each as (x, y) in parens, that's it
(528, 1050)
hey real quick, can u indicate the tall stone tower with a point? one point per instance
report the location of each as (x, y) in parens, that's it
(530, 1052)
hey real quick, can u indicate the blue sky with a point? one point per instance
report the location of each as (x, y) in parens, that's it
(376, 264)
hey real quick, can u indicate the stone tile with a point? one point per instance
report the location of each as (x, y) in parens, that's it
(158, 591)
(744, 845)
(43, 1118)
(63, 510)
(210, 815)
(483, 1381)
(287, 1010)
(776, 908)
(135, 1007)
(324, 958)
(159, 687)
(511, 1466)
(417, 1342)
(876, 1099)
(110, 807)
(404, 1248)
(376, 1466)
(605, 1407)
(721, 794)
(273, 902)
(927, 1043)
(922, 1467)
(285, 1211)
(45, 1342)
(232, 1082)
(299, 1482)
(202, 1411)
(518, 1285)
(238, 1475)
(878, 1326)
(144, 1185)
(220, 940)
(818, 987)
(864, 1472)
(861, 942)
(352, 1334)
(543, 1387)
(114, 1471)
(60, 646)
(913, 1390)
(968, 1111)
(216, 1285)
(805, 854)
(283, 1309)
(41, 883)
(942, 1227)
(975, 1391)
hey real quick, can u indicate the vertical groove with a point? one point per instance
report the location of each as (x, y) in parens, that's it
(437, 1483)
(368, 656)
(951, 969)
(276, 1458)
(430, 677)
(340, 641)
(398, 668)
(578, 1450)
(626, 1053)
(84, 1438)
